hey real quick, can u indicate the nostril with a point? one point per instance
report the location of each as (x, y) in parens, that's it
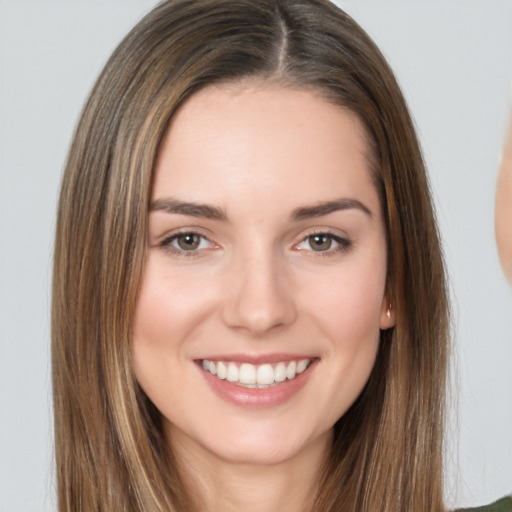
(259, 304)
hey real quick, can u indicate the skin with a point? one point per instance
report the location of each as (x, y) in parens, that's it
(256, 286)
(503, 213)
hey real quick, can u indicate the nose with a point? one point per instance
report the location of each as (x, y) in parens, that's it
(259, 298)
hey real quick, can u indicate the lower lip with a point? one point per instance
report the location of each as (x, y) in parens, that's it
(258, 398)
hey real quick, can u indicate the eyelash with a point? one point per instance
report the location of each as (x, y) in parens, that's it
(342, 244)
(166, 244)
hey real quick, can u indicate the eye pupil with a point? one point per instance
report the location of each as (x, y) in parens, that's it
(189, 241)
(320, 242)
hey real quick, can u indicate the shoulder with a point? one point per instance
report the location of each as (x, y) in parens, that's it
(503, 505)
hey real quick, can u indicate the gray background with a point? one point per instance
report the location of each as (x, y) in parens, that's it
(454, 61)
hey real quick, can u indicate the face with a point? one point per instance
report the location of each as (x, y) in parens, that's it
(503, 208)
(257, 323)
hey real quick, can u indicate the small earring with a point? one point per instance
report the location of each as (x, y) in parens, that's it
(388, 312)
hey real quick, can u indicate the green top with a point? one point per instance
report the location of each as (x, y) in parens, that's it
(503, 505)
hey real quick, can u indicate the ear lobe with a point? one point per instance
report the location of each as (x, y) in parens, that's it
(387, 314)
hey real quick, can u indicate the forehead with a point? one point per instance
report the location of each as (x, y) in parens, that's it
(228, 139)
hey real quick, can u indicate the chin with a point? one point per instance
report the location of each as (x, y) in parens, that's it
(266, 446)
(257, 454)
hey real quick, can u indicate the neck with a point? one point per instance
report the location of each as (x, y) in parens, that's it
(223, 485)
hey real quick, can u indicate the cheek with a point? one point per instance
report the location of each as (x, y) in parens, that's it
(168, 308)
(347, 310)
(503, 211)
(349, 303)
(170, 304)
(349, 314)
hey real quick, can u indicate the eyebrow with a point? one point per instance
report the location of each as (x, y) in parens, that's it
(170, 205)
(185, 208)
(321, 209)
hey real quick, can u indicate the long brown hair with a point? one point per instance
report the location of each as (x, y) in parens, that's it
(110, 450)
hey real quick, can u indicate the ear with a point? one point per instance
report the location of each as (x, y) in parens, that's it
(387, 313)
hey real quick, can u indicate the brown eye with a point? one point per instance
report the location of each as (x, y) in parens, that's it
(325, 244)
(320, 242)
(188, 241)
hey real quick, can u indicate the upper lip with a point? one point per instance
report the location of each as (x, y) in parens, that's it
(257, 358)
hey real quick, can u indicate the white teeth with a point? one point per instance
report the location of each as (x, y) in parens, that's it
(222, 371)
(252, 376)
(280, 372)
(265, 374)
(232, 372)
(290, 370)
(302, 365)
(247, 374)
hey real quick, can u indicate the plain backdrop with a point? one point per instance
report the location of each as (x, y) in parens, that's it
(454, 62)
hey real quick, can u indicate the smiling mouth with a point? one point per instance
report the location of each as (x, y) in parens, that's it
(256, 376)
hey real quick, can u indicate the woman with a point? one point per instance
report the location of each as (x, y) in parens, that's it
(245, 204)
(503, 206)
